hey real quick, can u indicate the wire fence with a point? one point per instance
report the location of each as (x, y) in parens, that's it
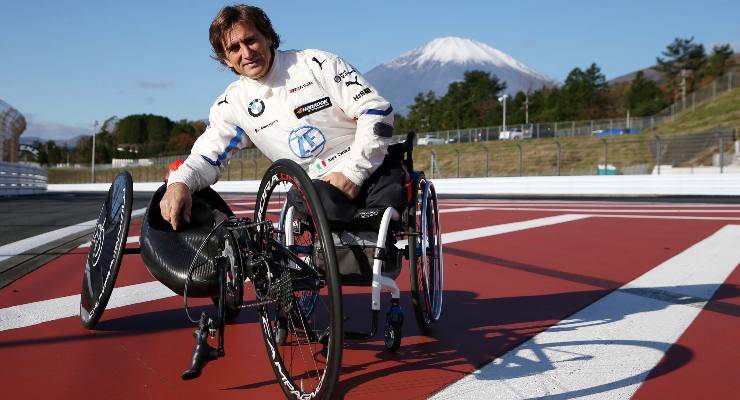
(716, 152)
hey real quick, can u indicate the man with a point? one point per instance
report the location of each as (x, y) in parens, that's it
(309, 106)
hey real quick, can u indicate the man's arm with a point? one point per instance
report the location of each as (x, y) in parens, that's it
(212, 150)
(205, 164)
(374, 114)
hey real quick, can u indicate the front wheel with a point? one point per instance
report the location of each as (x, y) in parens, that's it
(301, 322)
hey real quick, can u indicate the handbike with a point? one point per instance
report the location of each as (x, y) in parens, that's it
(290, 260)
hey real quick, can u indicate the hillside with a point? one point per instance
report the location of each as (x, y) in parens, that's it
(722, 112)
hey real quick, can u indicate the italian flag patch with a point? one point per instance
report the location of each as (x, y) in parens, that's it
(320, 165)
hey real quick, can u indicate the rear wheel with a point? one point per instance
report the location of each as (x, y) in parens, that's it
(301, 316)
(425, 256)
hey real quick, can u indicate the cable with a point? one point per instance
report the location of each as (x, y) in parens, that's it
(191, 268)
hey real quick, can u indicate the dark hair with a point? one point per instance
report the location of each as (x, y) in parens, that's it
(242, 13)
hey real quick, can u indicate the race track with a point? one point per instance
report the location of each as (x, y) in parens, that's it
(549, 299)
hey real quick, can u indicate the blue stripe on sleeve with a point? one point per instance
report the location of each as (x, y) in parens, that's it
(380, 112)
(214, 163)
(233, 143)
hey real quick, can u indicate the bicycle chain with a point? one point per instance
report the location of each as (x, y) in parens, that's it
(280, 291)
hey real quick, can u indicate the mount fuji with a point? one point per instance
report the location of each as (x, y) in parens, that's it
(445, 60)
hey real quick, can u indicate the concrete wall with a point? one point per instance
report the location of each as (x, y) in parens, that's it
(609, 185)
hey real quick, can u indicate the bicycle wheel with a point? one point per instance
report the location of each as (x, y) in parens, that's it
(425, 256)
(106, 250)
(301, 314)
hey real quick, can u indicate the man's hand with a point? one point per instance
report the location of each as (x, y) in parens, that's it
(341, 182)
(176, 200)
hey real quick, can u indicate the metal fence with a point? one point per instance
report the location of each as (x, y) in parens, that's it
(19, 179)
(712, 152)
(715, 152)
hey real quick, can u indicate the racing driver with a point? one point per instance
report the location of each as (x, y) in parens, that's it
(309, 106)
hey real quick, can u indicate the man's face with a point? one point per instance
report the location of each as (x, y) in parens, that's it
(247, 50)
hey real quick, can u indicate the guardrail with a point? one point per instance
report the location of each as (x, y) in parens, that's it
(20, 179)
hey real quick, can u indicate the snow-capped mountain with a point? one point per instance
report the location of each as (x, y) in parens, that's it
(442, 61)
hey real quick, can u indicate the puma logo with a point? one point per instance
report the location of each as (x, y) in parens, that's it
(348, 83)
(319, 62)
(222, 101)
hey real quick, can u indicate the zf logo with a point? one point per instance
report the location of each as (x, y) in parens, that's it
(306, 141)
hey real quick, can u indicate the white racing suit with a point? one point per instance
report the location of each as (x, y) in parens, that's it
(312, 107)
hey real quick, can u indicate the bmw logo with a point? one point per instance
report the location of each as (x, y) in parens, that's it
(256, 107)
(306, 141)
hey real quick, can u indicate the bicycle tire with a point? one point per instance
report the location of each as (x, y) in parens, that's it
(106, 250)
(305, 353)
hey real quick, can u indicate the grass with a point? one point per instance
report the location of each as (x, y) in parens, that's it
(723, 112)
(578, 156)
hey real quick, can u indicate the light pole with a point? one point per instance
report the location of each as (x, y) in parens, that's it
(92, 164)
(503, 100)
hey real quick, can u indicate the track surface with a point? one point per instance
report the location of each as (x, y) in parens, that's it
(26, 216)
(567, 298)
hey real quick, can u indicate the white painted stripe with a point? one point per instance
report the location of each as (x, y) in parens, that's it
(606, 350)
(129, 240)
(678, 217)
(610, 210)
(461, 209)
(447, 210)
(22, 246)
(476, 233)
(733, 207)
(273, 210)
(468, 234)
(49, 310)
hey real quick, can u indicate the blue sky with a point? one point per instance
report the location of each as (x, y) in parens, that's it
(64, 64)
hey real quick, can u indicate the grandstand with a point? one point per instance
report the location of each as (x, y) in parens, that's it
(12, 125)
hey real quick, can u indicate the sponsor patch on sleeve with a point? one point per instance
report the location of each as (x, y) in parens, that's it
(382, 130)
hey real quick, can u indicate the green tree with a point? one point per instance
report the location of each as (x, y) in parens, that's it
(472, 102)
(423, 114)
(644, 97)
(42, 157)
(54, 153)
(683, 60)
(584, 95)
(720, 61)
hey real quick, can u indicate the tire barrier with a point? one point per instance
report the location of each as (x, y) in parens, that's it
(19, 179)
